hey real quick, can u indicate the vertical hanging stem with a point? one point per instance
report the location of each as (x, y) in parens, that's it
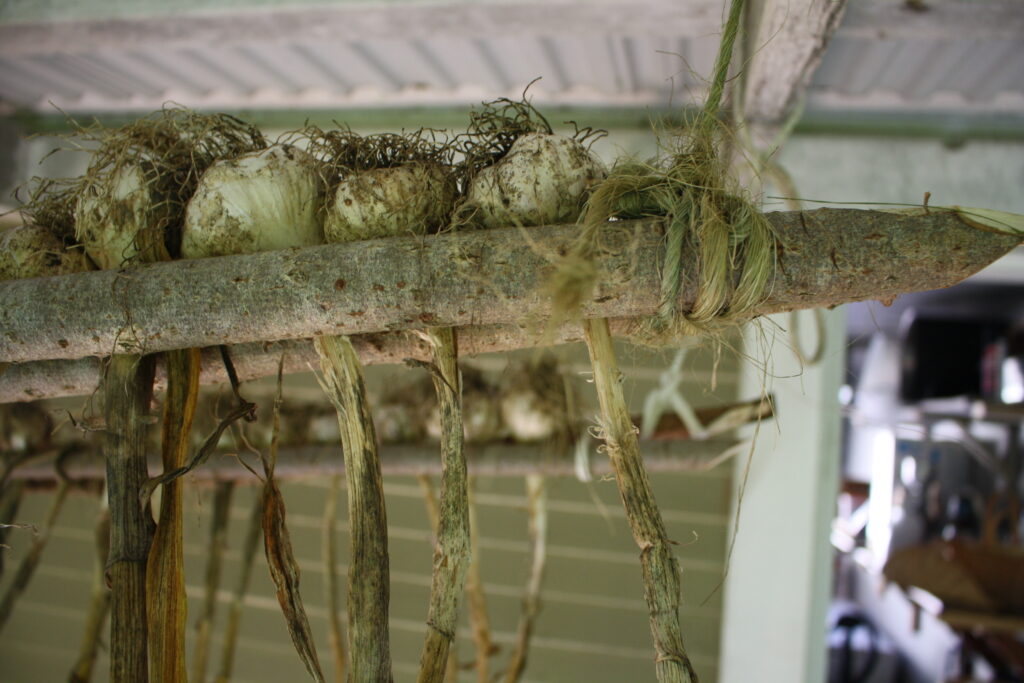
(27, 567)
(537, 501)
(479, 622)
(99, 605)
(330, 555)
(658, 562)
(10, 501)
(222, 495)
(368, 574)
(167, 604)
(452, 551)
(127, 392)
(434, 514)
(252, 540)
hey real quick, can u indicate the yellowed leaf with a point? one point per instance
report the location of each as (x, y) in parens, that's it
(990, 219)
(982, 219)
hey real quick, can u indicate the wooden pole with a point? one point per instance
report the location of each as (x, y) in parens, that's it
(824, 257)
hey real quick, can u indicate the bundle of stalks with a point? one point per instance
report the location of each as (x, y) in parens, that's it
(735, 252)
(127, 209)
(376, 186)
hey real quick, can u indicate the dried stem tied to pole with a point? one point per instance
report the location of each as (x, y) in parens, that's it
(368, 587)
(452, 551)
(127, 394)
(165, 570)
(660, 566)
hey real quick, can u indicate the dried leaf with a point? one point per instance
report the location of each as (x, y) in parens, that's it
(989, 219)
(277, 545)
(285, 573)
(166, 603)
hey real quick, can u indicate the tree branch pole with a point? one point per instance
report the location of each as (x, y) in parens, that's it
(825, 257)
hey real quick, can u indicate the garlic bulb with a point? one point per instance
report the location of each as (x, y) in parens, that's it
(114, 213)
(537, 400)
(542, 180)
(526, 418)
(32, 251)
(416, 198)
(261, 201)
(481, 419)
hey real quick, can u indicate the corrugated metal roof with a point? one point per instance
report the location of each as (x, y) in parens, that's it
(954, 56)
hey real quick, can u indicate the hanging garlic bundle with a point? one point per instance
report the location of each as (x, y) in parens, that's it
(481, 414)
(264, 200)
(538, 403)
(520, 173)
(127, 210)
(381, 186)
(33, 251)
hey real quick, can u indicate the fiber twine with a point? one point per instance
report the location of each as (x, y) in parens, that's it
(715, 237)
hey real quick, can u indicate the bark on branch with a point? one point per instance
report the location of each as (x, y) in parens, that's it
(825, 257)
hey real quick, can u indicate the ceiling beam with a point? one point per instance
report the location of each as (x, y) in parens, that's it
(786, 43)
(943, 20)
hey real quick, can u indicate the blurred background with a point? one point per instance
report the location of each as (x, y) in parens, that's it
(902, 432)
